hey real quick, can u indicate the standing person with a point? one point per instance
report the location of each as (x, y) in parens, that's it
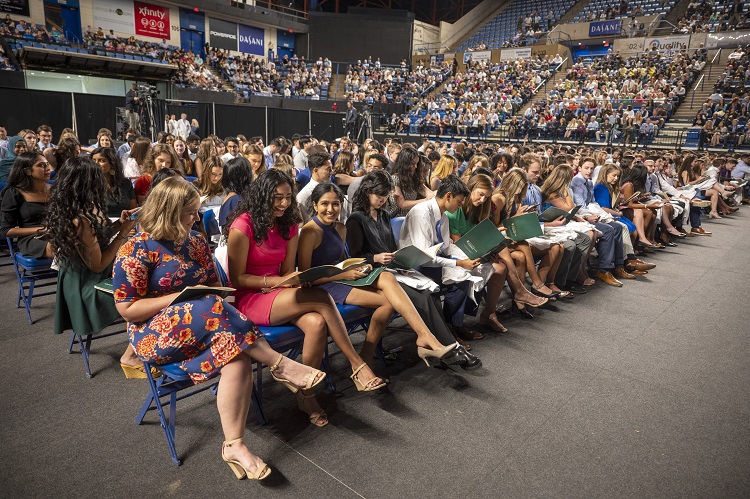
(210, 335)
(351, 120)
(131, 107)
(85, 244)
(183, 127)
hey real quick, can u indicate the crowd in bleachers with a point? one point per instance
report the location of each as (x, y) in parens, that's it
(705, 17)
(371, 82)
(522, 23)
(602, 10)
(722, 118)
(614, 98)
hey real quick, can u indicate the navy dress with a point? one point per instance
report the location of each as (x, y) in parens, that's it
(331, 251)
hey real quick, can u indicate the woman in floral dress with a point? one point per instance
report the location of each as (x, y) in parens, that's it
(206, 335)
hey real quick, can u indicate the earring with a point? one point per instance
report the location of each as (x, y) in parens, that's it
(112, 172)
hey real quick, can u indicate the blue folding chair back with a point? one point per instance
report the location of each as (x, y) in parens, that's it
(32, 273)
(396, 224)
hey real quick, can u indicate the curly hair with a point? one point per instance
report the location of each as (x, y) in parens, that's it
(79, 191)
(117, 177)
(409, 178)
(68, 148)
(257, 201)
(378, 182)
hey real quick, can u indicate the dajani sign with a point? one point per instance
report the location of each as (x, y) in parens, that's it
(251, 40)
(151, 20)
(605, 28)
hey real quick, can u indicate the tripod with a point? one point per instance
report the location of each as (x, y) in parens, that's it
(147, 117)
(365, 128)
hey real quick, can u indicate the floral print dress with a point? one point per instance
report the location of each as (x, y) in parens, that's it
(203, 334)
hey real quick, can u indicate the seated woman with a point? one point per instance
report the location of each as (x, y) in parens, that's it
(180, 148)
(85, 243)
(343, 170)
(556, 192)
(322, 242)
(24, 205)
(160, 156)
(409, 178)
(262, 237)
(237, 177)
(507, 200)
(446, 166)
(209, 185)
(206, 335)
(369, 236)
(120, 192)
(16, 147)
(133, 164)
(643, 215)
(476, 208)
(67, 148)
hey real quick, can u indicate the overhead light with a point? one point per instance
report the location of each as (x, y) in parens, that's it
(69, 77)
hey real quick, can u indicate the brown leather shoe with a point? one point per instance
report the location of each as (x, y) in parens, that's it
(623, 274)
(698, 231)
(637, 272)
(636, 264)
(608, 278)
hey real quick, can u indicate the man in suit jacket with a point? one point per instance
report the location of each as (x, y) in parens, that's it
(351, 120)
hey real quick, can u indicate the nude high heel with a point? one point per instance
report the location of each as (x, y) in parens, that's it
(370, 385)
(313, 379)
(431, 357)
(261, 472)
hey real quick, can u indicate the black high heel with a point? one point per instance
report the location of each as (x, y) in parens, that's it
(521, 312)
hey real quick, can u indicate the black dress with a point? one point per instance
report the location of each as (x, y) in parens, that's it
(115, 207)
(366, 238)
(15, 211)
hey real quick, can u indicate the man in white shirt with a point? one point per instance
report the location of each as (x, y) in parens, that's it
(320, 168)
(427, 225)
(183, 127)
(233, 149)
(270, 151)
(300, 159)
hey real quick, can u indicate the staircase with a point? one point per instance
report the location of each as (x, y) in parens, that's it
(337, 87)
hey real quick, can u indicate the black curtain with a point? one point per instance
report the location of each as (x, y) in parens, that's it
(94, 112)
(287, 122)
(248, 121)
(30, 108)
(327, 126)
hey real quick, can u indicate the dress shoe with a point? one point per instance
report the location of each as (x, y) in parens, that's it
(636, 264)
(698, 231)
(521, 312)
(637, 272)
(623, 274)
(608, 278)
(460, 357)
(467, 334)
(574, 287)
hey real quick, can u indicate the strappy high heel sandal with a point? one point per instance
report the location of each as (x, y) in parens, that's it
(261, 472)
(319, 419)
(495, 325)
(312, 380)
(370, 385)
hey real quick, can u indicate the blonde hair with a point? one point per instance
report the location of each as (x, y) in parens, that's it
(558, 180)
(203, 184)
(513, 188)
(444, 167)
(614, 190)
(160, 215)
(477, 214)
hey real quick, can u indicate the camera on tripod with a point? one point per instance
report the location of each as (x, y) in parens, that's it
(147, 91)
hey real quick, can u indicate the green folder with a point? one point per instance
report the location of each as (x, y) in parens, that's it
(106, 286)
(322, 272)
(553, 213)
(482, 241)
(410, 257)
(523, 227)
(364, 281)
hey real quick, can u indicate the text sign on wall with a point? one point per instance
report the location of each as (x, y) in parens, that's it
(115, 15)
(151, 20)
(605, 28)
(484, 55)
(520, 53)
(251, 40)
(223, 34)
(667, 42)
(17, 7)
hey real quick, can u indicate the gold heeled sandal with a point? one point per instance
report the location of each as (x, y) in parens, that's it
(261, 472)
(319, 419)
(369, 386)
(312, 380)
(138, 372)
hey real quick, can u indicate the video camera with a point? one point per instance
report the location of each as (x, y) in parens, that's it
(146, 91)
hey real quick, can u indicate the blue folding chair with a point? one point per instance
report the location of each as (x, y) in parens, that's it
(396, 224)
(210, 224)
(32, 273)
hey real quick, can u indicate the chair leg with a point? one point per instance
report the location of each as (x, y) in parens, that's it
(167, 426)
(27, 301)
(330, 386)
(85, 346)
(72, 342)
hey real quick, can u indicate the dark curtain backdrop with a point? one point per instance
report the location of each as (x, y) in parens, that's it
(327, 126)
(201, 112)
(94, 112)
(30, 108)
(287, 122)
(233, 120)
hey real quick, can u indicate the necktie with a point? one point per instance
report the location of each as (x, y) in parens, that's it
(437, 228)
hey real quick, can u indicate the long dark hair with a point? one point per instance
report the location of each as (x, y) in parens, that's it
(324, 188)
(637, 176)
(257, 201)
(408, 181)
(238, 174)
(19, 176)
(378, 183)
(80, 190)
(115, 186)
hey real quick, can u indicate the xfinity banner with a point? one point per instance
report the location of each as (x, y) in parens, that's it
(605, 28)
(251, 40)
(151, 20)
(222, 34)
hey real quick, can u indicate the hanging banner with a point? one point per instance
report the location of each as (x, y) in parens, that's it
(223, 34)
(251, 40)
(519, 53)
(115, 15)
(151, 20)
(667, 42)
(605, 28)
(483, 55)
(17, 7)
